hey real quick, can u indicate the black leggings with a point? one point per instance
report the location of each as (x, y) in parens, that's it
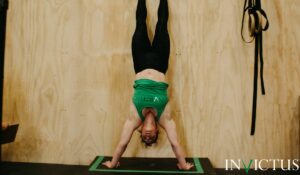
(145, 55)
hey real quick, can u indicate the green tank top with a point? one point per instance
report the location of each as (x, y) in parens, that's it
(150, 94)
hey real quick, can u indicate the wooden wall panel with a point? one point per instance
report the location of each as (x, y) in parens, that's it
(69, 74)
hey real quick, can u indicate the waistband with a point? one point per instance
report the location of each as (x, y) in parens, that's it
(148, 83)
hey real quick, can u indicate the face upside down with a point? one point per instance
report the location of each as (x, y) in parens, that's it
(149, 130)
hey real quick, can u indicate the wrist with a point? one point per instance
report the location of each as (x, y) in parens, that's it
(113, 164)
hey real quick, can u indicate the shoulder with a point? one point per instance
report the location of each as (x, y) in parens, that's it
(133, 116)
(166, 116)
(132, 123)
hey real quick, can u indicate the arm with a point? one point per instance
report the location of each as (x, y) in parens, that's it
(128, 129)
(170, 128)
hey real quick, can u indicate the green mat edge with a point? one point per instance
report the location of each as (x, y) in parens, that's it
(197, 164)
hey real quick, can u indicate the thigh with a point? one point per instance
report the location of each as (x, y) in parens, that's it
(161, 43)
(140, 41)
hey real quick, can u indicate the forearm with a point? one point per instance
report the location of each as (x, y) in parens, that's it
(179, 153)
(118, 153)
(128, 128)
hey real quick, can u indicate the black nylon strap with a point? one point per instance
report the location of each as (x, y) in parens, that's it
(254, 102)
(260, 38)
(254, 8)
(267, 20)
(245, 9)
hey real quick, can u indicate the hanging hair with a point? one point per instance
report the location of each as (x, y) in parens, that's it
(150, 144)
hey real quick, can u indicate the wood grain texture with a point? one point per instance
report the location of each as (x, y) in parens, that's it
(69, 75)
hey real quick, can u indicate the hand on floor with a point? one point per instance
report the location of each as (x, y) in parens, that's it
(4, 126)
(187, 166)
(108, 164)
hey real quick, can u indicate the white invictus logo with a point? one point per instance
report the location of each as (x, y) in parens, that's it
(292, 165)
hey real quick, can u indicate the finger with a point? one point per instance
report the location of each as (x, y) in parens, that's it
(105, 163)
(178, 166)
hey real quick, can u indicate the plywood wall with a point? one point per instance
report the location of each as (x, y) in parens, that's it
(69, 74)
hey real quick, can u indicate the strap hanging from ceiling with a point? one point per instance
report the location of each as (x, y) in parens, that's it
(256, 18)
